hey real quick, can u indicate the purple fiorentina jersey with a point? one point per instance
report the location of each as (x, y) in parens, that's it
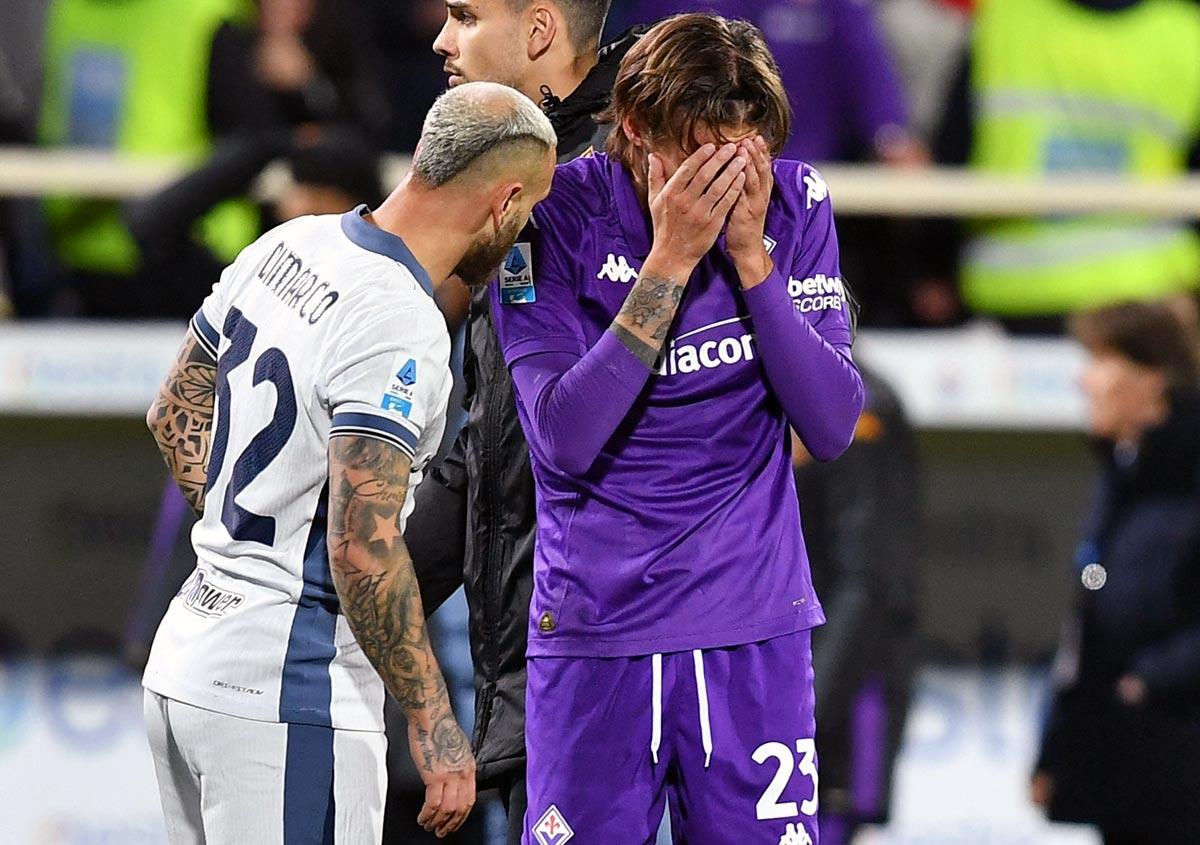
(684, 532)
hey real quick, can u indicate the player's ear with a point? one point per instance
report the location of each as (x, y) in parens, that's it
(632, 132)
(543, 29)
(506, 199)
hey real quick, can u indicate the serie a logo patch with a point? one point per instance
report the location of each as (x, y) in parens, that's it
(516, 277)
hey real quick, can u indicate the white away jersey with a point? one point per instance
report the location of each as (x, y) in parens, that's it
(323, 326)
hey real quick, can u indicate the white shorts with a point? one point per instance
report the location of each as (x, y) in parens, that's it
(223, 779)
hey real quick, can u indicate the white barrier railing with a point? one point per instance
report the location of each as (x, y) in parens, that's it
(856, 189)
(974, 378)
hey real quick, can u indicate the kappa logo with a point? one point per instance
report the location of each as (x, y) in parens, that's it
(815, 188)
(617, 269)
(796, 834)
(516, 276)
(552, 828)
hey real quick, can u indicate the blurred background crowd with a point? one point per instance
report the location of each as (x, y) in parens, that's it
(947, 555)
(903, 83)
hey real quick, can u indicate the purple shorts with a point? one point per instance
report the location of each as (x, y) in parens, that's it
(726, 735)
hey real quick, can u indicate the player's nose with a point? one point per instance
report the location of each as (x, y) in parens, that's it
(443, 45)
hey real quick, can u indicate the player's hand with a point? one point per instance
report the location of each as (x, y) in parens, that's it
(443, 757)
(747, 222)
(1131, 690)
(1041, 790)
(689, 209)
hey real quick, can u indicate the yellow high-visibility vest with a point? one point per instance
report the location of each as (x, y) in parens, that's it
(132, 76)
(1060, 89)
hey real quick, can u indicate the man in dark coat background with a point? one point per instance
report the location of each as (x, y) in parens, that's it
(1122, 741)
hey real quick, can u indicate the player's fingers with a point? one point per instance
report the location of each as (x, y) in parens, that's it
(456, 820)
(691, 166)
(721, 185)
(727, 202)
(464, 801)
(656, 177)
(763, 162)
(754, 179)
(710, 170)
(449, 808)
(433, 803)
(470, 795)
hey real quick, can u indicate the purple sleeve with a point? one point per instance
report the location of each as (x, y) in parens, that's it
(573, 397)
(802, 330)
(872, 84)
(573, 405)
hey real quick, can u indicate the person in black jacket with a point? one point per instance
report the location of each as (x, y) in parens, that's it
(862, 520)
(329, 173)
(474, 522)
(1122, 742)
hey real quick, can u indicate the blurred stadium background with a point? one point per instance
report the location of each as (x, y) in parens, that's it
(93, 541)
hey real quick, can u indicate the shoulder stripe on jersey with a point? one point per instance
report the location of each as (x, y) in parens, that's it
(209, 337)
(376, 424)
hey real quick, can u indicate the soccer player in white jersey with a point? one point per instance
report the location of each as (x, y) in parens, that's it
(307, 398)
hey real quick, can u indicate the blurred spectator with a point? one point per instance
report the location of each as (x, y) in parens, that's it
(307, 62)
(133, 77)
(413, 71)
(1122, 743)
(26, 271)
(927, 39)
(331, 174)
(24, 22)
(841, 81)
(862, 518)
(12, 113)
(1102, 87)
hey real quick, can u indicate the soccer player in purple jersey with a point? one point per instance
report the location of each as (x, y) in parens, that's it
(679, 305)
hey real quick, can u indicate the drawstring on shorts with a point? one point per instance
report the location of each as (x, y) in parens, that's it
(656, 706)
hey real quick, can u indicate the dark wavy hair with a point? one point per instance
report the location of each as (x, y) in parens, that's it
(698, 71)
(1160, 335)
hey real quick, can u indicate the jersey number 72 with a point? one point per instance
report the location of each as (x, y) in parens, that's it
(272, 366)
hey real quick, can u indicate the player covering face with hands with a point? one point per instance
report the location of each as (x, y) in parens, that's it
(684, 307)
(308, 398)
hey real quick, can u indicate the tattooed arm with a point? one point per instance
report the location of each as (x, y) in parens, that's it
(181, 419)
(373, 574)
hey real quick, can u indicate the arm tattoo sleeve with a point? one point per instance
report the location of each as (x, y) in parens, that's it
(181, 420)
(373, 573)
(645, 319)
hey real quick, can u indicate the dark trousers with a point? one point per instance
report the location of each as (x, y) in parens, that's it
(512, 793)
